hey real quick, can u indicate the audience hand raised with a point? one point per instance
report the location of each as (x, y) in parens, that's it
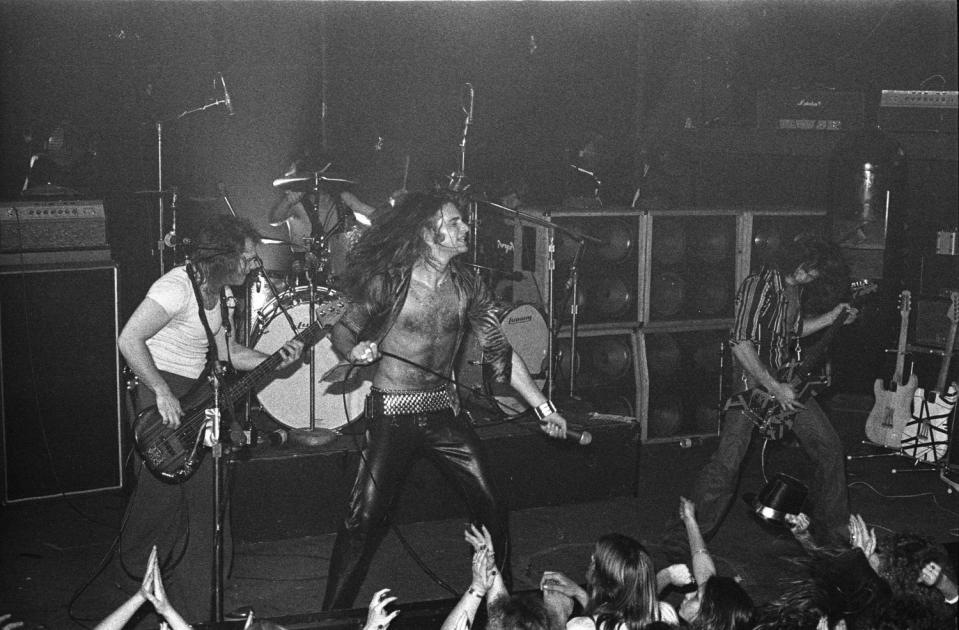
(377, 617)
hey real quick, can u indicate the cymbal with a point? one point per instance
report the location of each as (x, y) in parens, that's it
(269, 240)
(303, 181)
(153, 193)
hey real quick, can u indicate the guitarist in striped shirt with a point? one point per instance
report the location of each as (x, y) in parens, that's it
(769, 320)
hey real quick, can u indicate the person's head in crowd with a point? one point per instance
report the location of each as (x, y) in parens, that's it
(839, 589)
(621, 584)
(900, 559)
(518, 612)
(724, 606)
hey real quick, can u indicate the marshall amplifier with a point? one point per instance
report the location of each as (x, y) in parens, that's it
(810, 110)
(919, 111)
(31, 226)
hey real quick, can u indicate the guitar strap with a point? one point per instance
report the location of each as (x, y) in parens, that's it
(211, 354)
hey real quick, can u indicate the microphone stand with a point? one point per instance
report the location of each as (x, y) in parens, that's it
(551, 268)
(573, 285)
(217, 449)
(161, 208)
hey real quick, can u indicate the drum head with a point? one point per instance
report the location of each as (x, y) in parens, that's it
(286, 398)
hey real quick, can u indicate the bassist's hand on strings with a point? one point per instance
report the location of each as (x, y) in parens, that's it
(169, 407)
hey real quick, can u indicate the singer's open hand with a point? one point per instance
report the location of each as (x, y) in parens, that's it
(290, 352)
(554, 425)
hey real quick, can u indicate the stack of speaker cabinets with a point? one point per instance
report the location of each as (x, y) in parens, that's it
(60, 420)
(656, 292)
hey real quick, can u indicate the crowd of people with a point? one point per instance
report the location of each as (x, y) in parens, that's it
(897, 582)
(408, 302)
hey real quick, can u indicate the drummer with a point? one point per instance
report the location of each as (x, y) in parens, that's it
(336, 213)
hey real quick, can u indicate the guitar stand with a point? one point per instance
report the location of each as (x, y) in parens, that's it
(918, 465)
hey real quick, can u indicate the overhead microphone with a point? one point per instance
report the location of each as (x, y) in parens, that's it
(226, 95)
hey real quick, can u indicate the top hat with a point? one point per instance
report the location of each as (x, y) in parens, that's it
(780, 496)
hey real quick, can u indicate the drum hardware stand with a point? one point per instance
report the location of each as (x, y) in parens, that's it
(261, 274)
(573, 283)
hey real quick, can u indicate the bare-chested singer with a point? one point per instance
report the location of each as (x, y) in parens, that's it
(410, 297)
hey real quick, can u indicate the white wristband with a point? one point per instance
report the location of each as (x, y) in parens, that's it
(544, 410)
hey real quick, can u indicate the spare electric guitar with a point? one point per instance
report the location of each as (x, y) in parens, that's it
(893, 407)
(926, 436)
(172, 455)
(804, 377)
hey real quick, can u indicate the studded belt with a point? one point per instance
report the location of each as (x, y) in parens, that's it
(387, 402)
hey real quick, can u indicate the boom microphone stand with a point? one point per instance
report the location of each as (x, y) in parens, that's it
(164, 239)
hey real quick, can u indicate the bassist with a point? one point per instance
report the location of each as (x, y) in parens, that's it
(166, 343)
(769, 319)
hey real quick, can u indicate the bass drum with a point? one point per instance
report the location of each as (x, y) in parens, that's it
(526, 329)
(287, 397)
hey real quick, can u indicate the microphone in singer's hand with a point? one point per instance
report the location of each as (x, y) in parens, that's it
(581, 437)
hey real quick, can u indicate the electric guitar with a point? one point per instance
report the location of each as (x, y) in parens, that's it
(173, 455)
(926, 437)
(893, 407)
(803, 377)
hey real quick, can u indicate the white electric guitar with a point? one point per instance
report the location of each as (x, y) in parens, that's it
(926, 436)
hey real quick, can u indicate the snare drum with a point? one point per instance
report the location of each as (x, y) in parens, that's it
(526, 330)
(287, 397)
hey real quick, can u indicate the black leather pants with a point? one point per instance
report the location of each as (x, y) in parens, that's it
(392, 443)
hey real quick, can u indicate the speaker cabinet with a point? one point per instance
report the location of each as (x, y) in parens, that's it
(608, 273)
(60, 398)
(605, 367)
(689, 265)
(684, 380)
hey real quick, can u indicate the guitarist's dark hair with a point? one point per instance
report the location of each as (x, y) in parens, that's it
(219, 244)
(813, 253)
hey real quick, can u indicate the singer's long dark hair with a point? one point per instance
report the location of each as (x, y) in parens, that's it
(393, 244)
(219, 245)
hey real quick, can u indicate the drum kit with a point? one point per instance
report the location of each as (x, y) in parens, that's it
(284, 302)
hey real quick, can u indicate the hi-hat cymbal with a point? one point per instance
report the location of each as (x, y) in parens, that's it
(303, 181)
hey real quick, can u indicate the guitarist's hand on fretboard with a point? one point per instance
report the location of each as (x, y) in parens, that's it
(852, 313)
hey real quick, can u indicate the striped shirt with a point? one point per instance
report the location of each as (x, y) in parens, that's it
(764, 317)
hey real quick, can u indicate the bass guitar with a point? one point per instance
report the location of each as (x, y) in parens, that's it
(893, 407)
(769, 416)
(173, 455)
(926, 436)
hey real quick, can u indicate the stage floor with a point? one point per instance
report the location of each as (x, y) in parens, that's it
(51, 549)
